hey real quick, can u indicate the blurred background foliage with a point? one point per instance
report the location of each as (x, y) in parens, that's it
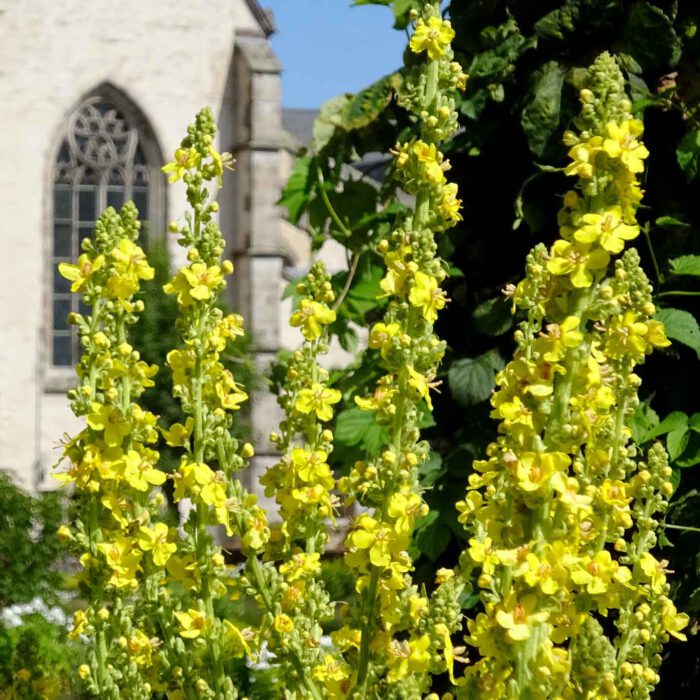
(525, 60)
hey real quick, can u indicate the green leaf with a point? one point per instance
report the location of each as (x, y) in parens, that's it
(295, 196)
(676, 442)
(688, 154)
(650, 38)
(471, 380)
(540, 116)
(355, 427)
(681, 326)
(365, 106)
(673, 422)
(686, 265)
(694, 422)
(691, 454)
(670, 222)
(432, 536)
(329, 118)
(431, 470)
(642, 421)
(493, 317)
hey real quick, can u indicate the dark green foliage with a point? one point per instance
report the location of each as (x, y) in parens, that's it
(526, 60)
(29, 548)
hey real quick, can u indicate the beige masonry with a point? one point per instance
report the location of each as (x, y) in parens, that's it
(162, 60)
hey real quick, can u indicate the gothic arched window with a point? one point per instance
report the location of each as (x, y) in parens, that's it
(101, 163)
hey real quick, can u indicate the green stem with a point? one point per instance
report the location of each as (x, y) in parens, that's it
(331, 209)
(657, 271)
(352, 269)
(683, 528)
(678, 293)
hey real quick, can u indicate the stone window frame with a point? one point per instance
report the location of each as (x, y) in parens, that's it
(58, 379)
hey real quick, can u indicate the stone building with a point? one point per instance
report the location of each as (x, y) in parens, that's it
(95, 97)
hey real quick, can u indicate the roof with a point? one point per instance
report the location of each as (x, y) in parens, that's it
(299, 123)
(264, 17)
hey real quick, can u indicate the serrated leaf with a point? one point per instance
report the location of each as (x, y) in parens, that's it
(541, 114)
(471, 380)
(493, 317)
(681, 326)
(686, 265)
(355, 427)
(673, 421)
(688, 154)
(676, 442)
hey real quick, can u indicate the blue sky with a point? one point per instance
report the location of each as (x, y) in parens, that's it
(328, 47)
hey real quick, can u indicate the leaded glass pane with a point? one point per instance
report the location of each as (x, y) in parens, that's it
(62, 241)
(62, 197)
(100, 163)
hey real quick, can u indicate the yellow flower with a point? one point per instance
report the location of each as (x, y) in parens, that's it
(80, 274)
(517, 617)
(672, 621)
(111, 421)
(433, 36)
(559, 338)
(310, 466)
(382, 397)
(155, 540)
(334, 675)
(583, 156)
(301, 566)
(654, 570)
(421, 385)
(185, 159)
(129, 259)
(405, 507)
(283, 624)
(381, 337)
(430, 161)
(656, 334)
(178, 435)
(596, 574)
(427, 296)
(576, 260)
(192, 623)
(318, 399)
(622, 143)
(626, 335)
(408, 656)
(312, 316)
(449, 203)
(378, 539)
(608, 229)
(123, 557)
(195, 283)
(535, 469)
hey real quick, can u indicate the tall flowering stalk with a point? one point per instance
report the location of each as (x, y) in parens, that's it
(206, 477)
(111, 467)
(562, 512)
(303, 486)
(395, 633)
(211, 455)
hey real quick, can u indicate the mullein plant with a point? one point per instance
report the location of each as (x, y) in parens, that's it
(205, 481)
(562, 514)
(111, 466)
(396, 636)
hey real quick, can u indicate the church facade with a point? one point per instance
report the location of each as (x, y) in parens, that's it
(96, 97)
